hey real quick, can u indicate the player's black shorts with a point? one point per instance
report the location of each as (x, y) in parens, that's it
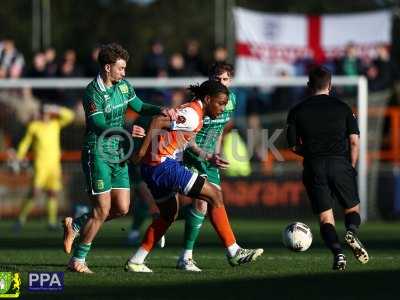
(327, 179)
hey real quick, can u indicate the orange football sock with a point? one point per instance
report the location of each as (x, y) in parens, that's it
(154, 232)
(220, 222)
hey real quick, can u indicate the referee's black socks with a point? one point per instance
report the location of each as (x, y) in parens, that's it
(330, 237)
(352, 221)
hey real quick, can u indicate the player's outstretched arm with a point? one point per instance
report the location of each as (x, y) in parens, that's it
(65, 116)
(25, 143)
(148, 109)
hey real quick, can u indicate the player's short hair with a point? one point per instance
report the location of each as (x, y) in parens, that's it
(110, 53)
(319, 78)
(220, 67)
(208, 88)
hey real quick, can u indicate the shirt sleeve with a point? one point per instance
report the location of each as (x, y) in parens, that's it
(97, 123)
(188, 120)
(351, 123)
(92, 104)
(291, 132)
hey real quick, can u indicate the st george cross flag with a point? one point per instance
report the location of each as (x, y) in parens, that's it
(267, 44)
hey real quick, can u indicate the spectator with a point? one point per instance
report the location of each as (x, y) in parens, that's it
(195, 65)
(92, 66)
(383, 73)
(220, 54)
(350, 64)
(38, 69)
(12, 62)
(177, 66)
(155, 63)
(70, 65)
(68, 69)
(51, 64)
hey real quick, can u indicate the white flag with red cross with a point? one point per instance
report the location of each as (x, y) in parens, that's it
(267, 44)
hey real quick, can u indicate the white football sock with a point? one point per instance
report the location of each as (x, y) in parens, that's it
(232, 249)
(139, 256)
(186, 254)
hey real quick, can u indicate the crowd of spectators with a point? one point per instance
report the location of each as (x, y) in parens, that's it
(50, 64)
(190, 62)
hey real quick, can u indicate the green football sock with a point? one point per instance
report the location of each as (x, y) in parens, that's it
(79, 222)
(193, 222)
(81, 251)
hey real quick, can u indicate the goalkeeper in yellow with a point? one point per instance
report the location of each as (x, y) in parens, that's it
(43, 135)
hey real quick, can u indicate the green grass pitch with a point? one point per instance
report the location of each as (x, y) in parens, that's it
(278, 274)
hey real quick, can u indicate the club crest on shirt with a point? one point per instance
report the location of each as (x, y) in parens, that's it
(123, 88)
(180, 120)
(92, 107)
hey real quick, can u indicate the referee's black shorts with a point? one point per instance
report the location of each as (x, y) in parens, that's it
(327, 179)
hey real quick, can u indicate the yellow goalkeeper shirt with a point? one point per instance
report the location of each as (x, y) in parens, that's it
(45, 140)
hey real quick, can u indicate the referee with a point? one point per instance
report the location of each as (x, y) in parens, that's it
(324, 131)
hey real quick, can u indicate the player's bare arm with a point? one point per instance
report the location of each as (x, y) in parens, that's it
(354, 148)
(158, 122)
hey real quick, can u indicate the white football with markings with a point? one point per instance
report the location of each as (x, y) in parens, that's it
(297, 237)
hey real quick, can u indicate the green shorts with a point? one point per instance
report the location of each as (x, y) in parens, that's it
(102, 176)
(202, 167)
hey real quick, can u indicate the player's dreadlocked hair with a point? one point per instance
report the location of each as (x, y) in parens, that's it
(218, 68)
(210, 88)
(110, 53)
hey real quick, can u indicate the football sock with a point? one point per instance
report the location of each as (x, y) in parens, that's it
(140, 213)
(139, 256)
(154, 232)
(79, 222)
(186, 254)
(352, 221)
(232, 249)
(81, 251)
(330, 237)
(26, 209)
(220, 222)
(193, 221)
(52, 207)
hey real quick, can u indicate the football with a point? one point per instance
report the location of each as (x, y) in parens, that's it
(297, 237)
